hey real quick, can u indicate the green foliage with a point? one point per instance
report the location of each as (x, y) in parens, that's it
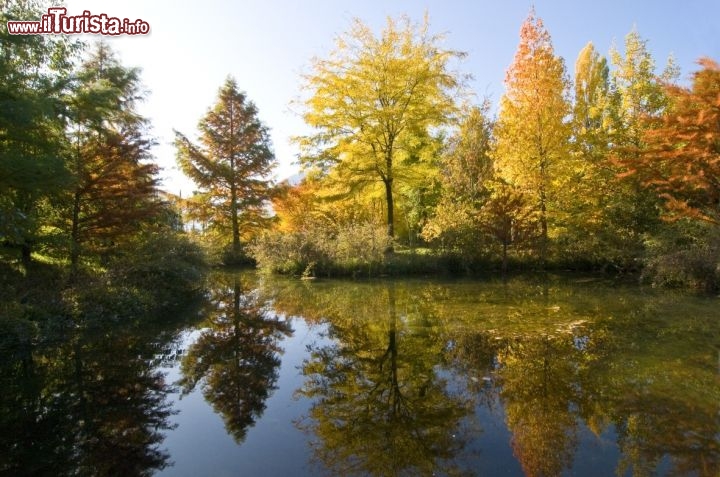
(686, 254)
(33, 74)
(170, 265)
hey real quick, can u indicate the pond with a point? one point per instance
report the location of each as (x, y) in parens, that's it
(529, 376)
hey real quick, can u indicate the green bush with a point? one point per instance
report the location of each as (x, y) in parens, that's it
(169, 266)
(686, 256)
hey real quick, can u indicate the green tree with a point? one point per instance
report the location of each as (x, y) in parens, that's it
(374, 103)
(637, 102)
(114, 182)
(466, 168)
(33, 73)
(532, 131)
(231, 164)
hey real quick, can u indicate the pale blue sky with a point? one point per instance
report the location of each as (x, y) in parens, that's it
(267, 44)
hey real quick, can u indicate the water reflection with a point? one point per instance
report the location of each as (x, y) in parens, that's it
(89, 401)
(412, 377)
(236, 357)
(538, 377)
(379, 405)
(397, 389)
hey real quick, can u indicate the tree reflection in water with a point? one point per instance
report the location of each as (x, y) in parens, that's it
(637, 370)
(380, 404)
(236, 358)
(93, 405)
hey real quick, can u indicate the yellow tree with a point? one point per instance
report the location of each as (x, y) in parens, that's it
(373, 104)
(466, 167)
(532, 132)
(589, 232)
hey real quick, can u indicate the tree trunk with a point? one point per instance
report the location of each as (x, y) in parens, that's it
(25, 251)
(544, 180)
(233, 188)
(235, 221)
(75, 235)
(504, 258)
(543, 226)
(390, 208)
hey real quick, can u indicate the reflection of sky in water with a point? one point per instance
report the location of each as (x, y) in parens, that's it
(274, 446)
(518, 327)
(495, 378)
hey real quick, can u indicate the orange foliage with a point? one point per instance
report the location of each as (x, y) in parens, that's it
(294, 204)
(682, 158)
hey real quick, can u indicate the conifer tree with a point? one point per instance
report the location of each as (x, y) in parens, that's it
(114, 181)
(532, 130)
(231, 164)
(33, 72)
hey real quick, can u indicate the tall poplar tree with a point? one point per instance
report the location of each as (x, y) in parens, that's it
(637, 103)
(589, 230)
(532, 131)
(373, 103)
(231, 164)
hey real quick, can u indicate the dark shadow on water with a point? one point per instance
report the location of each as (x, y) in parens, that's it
(85, 396)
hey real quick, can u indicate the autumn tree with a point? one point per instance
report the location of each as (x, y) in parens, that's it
(507, 218)
(637, 102)
(466, 167)
(588, 227)
(637, 91)
(114, 182)
(231, 164)
(374, 103)
(681, 161)
(532, 131)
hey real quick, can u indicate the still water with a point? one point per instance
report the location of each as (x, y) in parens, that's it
(538, 377)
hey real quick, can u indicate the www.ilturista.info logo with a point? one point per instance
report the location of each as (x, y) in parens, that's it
(57, 22)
